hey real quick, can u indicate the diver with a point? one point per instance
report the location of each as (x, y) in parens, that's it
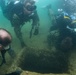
(63, 20)
(67, 31)
(18, 13)
(5, 45)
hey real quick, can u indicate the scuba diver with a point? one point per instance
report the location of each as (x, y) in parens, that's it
(62, 20)
(67, 31)
(18, 13)
(66, 27)
(5, 45)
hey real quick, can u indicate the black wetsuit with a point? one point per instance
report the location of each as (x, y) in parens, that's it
(17, 9)
(11, 53)
(17, 23)
(64, 32)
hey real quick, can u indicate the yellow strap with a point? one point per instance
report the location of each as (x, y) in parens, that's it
(66, 17)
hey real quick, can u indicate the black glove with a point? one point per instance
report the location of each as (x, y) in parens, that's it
(36, 32)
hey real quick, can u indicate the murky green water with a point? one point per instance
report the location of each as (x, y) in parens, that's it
(39, 41)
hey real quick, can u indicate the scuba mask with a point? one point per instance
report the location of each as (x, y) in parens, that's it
(31, 8)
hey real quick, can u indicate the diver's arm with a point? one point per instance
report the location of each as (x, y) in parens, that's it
(11, 52)
(35, 24)
(35, 19)
(3, 57)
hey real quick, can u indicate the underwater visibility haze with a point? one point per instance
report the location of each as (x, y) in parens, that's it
(43, 37)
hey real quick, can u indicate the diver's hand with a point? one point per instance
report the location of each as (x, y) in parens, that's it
(15, 16)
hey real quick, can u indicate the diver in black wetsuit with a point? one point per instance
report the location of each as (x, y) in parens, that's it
(66, 27)
(19, 13)
(5, 45)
